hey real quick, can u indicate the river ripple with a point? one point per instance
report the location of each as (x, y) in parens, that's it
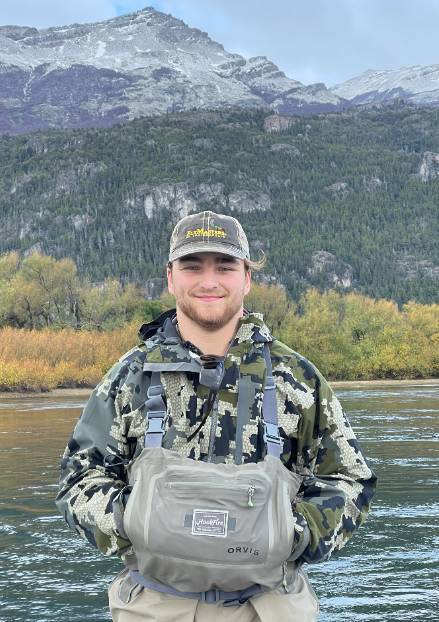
(388, 572)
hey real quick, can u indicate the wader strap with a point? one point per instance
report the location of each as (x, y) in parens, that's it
(211, 596)
(155, 412)
(246, 398)
(269, 410)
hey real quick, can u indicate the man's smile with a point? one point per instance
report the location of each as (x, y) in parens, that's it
(208, 298)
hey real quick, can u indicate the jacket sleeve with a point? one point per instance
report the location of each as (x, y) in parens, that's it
(340, 483)
(92, 468)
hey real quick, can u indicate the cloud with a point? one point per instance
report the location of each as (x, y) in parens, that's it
(311, 40)
(44, 13)
(320, 40)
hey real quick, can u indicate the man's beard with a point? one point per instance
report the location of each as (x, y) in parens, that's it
(213, 323)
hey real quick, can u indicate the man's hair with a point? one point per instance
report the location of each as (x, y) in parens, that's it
(255, 266)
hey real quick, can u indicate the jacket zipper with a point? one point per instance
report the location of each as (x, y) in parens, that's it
(214, 417)
(213, 426)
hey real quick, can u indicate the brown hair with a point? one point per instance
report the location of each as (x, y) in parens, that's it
(256, 265)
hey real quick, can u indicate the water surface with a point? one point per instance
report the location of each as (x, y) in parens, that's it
(388, 572)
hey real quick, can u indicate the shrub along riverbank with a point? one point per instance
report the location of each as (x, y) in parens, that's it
(347, 336)
(41, 360)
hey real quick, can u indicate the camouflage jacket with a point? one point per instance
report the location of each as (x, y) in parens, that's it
(318, 441)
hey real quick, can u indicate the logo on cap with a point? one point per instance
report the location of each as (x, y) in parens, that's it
(209, 233)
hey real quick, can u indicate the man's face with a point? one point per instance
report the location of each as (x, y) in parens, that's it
(209, 288)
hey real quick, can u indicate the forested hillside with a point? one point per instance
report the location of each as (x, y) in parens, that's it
(347, 200)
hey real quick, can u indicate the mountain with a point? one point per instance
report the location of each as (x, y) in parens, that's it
(416, 85)
(144, 63)
(346, 200)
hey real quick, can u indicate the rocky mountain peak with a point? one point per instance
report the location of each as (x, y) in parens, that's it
(417, 85)
(17, 32)
(143, 63)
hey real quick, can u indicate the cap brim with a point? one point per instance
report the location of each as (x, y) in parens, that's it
(207, 247)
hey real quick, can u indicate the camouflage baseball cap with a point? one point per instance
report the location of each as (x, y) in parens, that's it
(208, 232)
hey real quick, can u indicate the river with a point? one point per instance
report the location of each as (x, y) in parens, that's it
(388, 572)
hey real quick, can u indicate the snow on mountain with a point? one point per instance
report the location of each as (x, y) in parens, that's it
(418, 85)
(138, 64)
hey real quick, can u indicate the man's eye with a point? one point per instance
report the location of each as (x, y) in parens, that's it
(191, 268)
(225, 268)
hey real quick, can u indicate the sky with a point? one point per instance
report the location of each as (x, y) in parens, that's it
(326, 41)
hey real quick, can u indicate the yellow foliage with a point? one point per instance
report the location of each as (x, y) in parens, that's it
(44, 359)
(351, 336)
(347, 336)
(272, 301)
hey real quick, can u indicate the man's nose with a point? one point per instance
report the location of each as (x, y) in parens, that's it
(209, 279)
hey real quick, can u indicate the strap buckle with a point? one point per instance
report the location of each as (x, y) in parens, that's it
(156, 422)
(211, 596)
(271, 434)
(156, 415)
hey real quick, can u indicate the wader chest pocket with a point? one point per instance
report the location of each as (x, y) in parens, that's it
(224, 515)
(210, 521)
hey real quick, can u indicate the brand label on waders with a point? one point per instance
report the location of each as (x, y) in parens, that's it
(210, 523)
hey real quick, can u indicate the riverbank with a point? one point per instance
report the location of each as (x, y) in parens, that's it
(348, 384)
(336, 384)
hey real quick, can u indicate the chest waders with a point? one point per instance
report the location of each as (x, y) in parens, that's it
(212, 532)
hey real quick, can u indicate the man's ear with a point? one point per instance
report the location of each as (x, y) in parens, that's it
(248, 282)
(170, 281)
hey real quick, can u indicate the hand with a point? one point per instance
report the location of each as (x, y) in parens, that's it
(301, 536)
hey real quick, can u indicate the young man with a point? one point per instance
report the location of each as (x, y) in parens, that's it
(204, 368)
